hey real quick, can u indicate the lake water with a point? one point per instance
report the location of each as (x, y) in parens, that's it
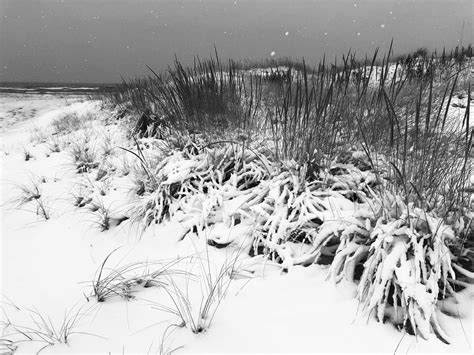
(98, 41)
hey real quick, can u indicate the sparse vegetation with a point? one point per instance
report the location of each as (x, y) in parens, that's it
(122, 281)
(107, 146)
(54, 145)
(68, 123)
(165, 343)
(43, 330)
(101, 214)
(28, 193)
(27, 154)
(42, 209)
(81, 198)
(84, 157)
(213, 284)
(38, 135)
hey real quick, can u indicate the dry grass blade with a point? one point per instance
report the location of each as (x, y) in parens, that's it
(44, 330)
(122, 281)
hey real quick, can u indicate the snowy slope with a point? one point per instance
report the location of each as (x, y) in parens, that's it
(48, 266)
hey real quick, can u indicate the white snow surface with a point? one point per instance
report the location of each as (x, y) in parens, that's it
(48, 266)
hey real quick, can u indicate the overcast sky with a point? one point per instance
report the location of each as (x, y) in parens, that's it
(99, 40)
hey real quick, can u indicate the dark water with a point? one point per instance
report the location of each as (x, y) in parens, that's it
(99, 41)
(54, 88)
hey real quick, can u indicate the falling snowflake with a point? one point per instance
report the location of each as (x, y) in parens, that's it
(358, 33)
(272, 53)
(325, 33)
(382, 25)
(287, 33)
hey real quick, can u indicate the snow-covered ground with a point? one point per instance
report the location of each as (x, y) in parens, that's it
(15, 108)
(48, 265)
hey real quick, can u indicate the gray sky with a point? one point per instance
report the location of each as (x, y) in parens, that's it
(99, 40)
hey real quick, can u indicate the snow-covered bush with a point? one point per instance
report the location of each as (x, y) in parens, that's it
(185, 181)
(337, 178)
(398, 252)
(407, 268)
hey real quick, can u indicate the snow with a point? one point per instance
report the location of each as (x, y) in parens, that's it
(49, 265)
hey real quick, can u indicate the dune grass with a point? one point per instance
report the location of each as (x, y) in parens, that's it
(320, 113)
(31, 195)
(377, 132)
(123, 281)
(43, 330)
(67, 124)
(198, 316)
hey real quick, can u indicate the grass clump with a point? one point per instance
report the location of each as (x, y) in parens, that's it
(103, 218)
(123, 281)
(54, 145)
(43, 210)
(107, 147)
(202, 100)
(291, 148)
(214, 282)
(67, 123)
(38, 135)
(84, 157)
(43, 330)
(81, 199)
(28, 193)
(27, 156)
(32, 194)
(407, 269)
